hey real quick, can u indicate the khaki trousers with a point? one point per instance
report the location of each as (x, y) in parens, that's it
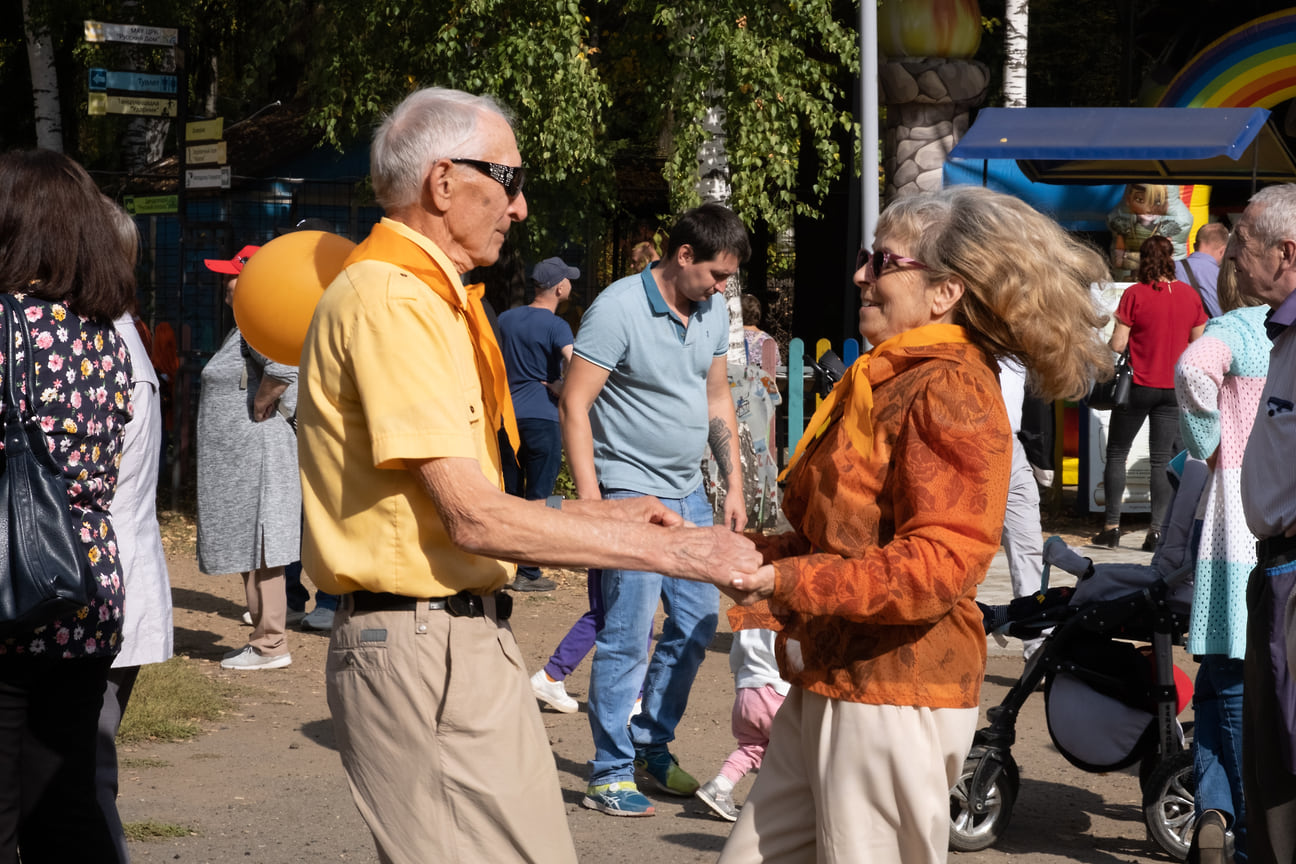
(267, 602)
(442, 741)
(844, 782)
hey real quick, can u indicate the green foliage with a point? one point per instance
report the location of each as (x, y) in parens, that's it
(532, 55)
(586, 78)
(565, 485)
(776, 70)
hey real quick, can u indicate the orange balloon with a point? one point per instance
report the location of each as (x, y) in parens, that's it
(277, 291)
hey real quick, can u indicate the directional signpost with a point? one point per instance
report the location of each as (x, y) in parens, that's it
(144, 205)
(103, 79)
(206, 148)
(201, 154)
(207, 178)
(144, 106)
(100, 31)
(136, 93)
(205, 130)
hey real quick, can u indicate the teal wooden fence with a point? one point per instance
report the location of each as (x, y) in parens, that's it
(798, 404)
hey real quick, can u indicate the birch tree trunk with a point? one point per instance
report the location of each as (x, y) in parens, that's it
(145, 137)
(1016, 15)
(45, 93)
(713, 188)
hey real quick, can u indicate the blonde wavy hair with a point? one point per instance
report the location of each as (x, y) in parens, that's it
(1026, 282)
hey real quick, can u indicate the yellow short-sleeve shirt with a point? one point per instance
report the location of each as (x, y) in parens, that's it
(387, 375)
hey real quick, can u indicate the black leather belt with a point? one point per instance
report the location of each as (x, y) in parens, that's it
(461, 605)
(1274, 547)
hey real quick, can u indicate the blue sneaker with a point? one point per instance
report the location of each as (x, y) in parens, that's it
(663, 771)
(618, 799)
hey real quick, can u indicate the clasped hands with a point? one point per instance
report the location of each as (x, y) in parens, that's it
(716, 554)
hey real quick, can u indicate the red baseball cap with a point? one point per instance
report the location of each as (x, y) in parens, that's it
(234, 266)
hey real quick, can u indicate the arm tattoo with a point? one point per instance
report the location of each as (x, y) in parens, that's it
(719, 438)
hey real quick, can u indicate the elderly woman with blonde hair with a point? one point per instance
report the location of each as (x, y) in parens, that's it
(896, 495)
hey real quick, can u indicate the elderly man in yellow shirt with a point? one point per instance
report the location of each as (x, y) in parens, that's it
(402, 390)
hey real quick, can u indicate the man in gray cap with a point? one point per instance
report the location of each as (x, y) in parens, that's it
(537, 347)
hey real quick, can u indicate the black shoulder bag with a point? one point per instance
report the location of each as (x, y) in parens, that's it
(46, 573)
(1115, 391)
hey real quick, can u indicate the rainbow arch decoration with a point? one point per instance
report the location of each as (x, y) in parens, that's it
(1252, 66)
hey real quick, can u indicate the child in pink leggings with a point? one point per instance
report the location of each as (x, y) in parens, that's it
(758, 693)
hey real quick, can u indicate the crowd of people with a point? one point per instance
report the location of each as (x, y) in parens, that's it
(859, 649)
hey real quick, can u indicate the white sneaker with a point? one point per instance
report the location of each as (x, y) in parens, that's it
(720, 801)
(248, 657)
(552, 693)
(318, 618)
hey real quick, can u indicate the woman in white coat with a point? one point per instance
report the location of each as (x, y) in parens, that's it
(147, 635)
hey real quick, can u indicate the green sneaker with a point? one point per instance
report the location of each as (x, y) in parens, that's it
(617, 799)
(663, 770)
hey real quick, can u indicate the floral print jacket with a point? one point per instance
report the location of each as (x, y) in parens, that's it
(82, 397)
(877, 584)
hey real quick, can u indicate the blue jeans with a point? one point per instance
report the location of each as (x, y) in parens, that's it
(630, 600)
(1217, 743)
(533, 474)
(299, 594)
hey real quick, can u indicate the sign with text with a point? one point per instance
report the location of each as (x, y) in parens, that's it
(143, 205)
(102, 103)
(137, 34)
(208, 178)
(205, 130)
(204, 153)
(103, 79)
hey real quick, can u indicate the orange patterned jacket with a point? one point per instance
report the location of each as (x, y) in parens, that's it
(877, 584)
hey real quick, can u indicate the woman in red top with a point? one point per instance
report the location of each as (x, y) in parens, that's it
(1157, 317)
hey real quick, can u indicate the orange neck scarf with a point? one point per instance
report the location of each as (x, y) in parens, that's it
(852, 399)
(387, 244)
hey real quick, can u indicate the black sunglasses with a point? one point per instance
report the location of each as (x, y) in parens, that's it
(879, 259)
(511, 178)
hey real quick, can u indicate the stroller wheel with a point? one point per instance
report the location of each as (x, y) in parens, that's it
(974, 827)
(1168, 803)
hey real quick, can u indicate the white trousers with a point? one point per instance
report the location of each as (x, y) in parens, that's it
(847, 783)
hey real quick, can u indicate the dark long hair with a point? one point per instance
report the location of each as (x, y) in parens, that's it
(57, 236)
(1156, 260)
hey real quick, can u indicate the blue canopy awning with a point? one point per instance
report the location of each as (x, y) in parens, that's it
(1155, 145)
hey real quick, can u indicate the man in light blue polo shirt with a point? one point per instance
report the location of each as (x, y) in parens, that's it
(646, 392)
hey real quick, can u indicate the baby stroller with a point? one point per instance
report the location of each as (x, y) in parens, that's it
(1109, 703)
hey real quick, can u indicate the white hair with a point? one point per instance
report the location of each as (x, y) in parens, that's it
(428, 125)
(1274, 220)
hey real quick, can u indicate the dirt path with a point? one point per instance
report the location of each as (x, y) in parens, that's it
(265, 785)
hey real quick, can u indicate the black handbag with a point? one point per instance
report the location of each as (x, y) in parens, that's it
(47, 573)
(1115, 391)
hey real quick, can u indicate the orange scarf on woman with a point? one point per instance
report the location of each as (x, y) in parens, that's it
(852, 399)
(385, 244)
